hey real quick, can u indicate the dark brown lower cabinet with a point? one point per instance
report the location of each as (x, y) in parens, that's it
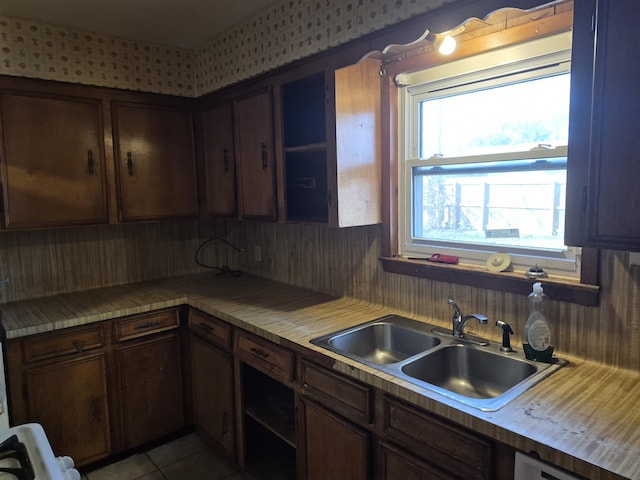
(118, 385)
(150, 372)
(69, 398)
(59, 379)
(457, 452)
(335, 447)
(267, 420)
(212, 380)
(269, 426)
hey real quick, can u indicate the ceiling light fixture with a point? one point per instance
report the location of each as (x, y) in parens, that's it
(445, 43)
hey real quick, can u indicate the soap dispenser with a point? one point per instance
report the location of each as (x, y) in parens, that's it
(536, 340)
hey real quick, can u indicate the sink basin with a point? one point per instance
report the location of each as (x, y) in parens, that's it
(471, 372)
(380, 342)
(482, 377)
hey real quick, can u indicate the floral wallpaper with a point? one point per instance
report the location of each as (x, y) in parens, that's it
(35, 49)
(288, 31)
(294, 29)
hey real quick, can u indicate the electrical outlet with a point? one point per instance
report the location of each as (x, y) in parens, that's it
(634, 258)
(257, 253)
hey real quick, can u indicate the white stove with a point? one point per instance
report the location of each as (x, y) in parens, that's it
(25, 454)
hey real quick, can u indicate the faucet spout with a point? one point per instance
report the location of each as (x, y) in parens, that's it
(458, 330)
(458, 322)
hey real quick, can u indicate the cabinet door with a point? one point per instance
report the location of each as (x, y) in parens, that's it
(150, 388)
(603, 168)
(255, 155)
(69, 399)
(212, 378)
(335, 448)
(53, 170)
(332, 154)
(155, 161)
(220, 160)
(355, 197)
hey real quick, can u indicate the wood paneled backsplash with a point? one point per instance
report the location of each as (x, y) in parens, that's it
(342, 262)
(48, 262)
(345, 262)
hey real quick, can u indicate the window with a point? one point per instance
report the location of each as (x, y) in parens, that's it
(484, 150)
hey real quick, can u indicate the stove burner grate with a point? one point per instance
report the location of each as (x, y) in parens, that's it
(12, 448)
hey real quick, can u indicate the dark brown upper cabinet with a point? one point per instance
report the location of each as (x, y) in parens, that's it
(603, 197)
(53, 163)
(155, 161)
(331, 146)
(255, 154)
(220, 164)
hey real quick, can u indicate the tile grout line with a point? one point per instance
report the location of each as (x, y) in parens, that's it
(158, 469)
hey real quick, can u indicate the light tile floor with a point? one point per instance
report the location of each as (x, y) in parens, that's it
(187, 458)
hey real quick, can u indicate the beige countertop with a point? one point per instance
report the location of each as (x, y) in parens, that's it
(583, 416)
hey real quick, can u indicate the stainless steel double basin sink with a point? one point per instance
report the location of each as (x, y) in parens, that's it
(482, 377)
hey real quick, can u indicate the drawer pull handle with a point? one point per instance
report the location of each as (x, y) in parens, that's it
(206, 327)
(144, 326)
(79, 346)
(259, 353)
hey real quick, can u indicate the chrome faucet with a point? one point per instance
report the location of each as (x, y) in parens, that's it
(459, 320)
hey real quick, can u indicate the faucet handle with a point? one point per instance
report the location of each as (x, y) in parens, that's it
(458, 312)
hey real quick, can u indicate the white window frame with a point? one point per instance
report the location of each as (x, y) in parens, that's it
(551, 54)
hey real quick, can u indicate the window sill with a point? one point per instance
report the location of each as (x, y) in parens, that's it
(563, 289)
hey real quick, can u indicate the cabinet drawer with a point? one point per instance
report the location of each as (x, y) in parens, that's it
(210, 328)
(63, 342)
(265, 356)
(140, 325)
(395, 463)
(453, 449)
(345, 396)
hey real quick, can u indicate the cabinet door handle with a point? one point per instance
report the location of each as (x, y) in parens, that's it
(259, 353)
(130, 164)
(225, 159)
(144, 326)
(79, 346)
(225, 423)
(264, 156)
(90, 162)
(94, 408)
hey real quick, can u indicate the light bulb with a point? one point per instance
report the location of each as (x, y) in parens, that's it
(447, 45)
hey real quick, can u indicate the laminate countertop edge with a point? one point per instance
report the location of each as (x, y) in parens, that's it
(585, 417)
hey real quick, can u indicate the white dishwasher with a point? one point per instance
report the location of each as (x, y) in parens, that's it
(529, 468)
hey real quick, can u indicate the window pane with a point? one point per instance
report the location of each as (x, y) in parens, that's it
(523, 209)
(515, 117)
